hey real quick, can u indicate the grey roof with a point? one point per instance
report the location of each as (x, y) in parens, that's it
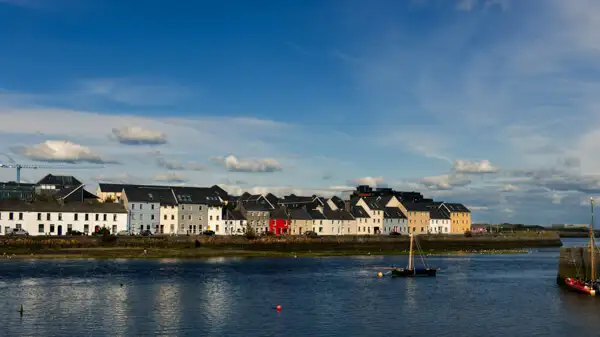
(438, 214)
(70, 207)
(316, 215)
(338, 202)
(373, 203)
(393, 213)
(359, 212)
(65, 192)
(294, 199)
(278, 213)
(272, 198)
(59, 180)
(339, 214)
(196, 196)
(233, 215)
(383, 200)
(162, 195)
(299, 214)
(416, 207)
(112, 188)
(217, 190)
(453, 207)
(255, 206)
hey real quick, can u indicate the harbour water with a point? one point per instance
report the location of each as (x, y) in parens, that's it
(473, 295)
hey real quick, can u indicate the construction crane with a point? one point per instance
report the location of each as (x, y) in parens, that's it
(18, 167)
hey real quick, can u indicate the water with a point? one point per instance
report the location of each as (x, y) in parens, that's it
(477, 295)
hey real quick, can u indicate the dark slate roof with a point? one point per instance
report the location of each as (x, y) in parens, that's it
(278, 213)
(255, 206)
(52, 206)
(339, 214)
(196, 196)
(59, 180)
(69, 191)
(11, 185)
(272, 199)
(393, 213)
(438, 214)
(383, 200)
(160, 195)
(217, 190)
(294, 199)
(316, 215)
(233, 215)
(373, 203)
(416, 207)
(452, 207)
(245, 196)
(359, 212)
(338, 202)
(299, 214)
(112, 188)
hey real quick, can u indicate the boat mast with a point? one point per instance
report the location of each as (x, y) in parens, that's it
(592, 246)
(410, 253)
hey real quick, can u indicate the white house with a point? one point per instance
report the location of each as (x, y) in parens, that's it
(361, 220)
(234, 222)
(439, 222)
(143, 205)
(394, 221)
(52, 218)
(169, 217)
(374, 224)
(340, 222)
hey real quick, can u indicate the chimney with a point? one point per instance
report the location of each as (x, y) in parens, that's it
(347, 205)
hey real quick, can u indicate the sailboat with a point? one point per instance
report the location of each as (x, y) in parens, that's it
(410, 270)
(592, 285)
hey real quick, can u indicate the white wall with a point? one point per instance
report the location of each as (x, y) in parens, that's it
(169, 219)
(330, 227)
(214, 221)
(235, 227)
(376, 219)
(439, 226)
(30, 222)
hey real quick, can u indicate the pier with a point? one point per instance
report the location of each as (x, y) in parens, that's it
(575, 262)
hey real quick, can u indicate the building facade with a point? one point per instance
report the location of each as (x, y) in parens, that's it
(53, 218)
(234, 222)
(417, 215)
(439, 222)
(460, 217)
(143, 205)
(394, 221)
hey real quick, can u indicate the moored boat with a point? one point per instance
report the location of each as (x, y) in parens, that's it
(580, 286)
(410, 270)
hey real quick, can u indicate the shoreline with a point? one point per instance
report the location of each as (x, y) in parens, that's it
(201, 254)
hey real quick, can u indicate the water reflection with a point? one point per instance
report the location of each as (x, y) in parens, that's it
(167, 304)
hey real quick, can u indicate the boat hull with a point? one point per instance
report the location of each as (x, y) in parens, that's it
(418, 272)
(579, 286)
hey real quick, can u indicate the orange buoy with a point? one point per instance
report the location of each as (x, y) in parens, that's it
(380, 274)
(278, 307)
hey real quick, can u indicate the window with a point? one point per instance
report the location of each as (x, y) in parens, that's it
(97, 217)
(41, 228)
(152, 206)
(48, 216)
(152, 217)
(172, 228)
(211, 218)
(217, 228)
(200, 207)
(165, 217)
(114, 217)
(132, 206)
(52, 228)
(76, 217)
(104, 217)
(183, 217)
(39, 216)
(87, 217)
(183, 209)
(59, 216)
(69, 228)
(132, 216)
(10, 216)
(320, 229)
(142, 208)
(141, 216)
(189, 217)
(172, 217)
(114, 229)
(18, 226)
(20, 216)
(217, 218)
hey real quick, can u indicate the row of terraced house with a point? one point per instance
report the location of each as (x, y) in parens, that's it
(194, 210)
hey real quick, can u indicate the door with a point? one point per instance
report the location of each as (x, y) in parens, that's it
(59, 230)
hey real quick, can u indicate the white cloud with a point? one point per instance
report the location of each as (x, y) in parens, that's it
(509, 188)
(135, 135)
(445, 182)
(286, 190)
(474, 167)
(232, 163)
(60, 151)
(178, 166)
(370, 181)
(121, 178)
(477, 208)
(169, 177)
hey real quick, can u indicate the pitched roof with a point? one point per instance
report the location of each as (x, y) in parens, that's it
(416, 207)
(373, 203)
(70, 207)
(338, 202)
(359, 212)
(383, 200)
(217, 190)
(272, 198)
(255, 206)
(160, 195)
(438, 214)
(112, 188)
(316, 215)
(79, 190)
(233, 215)
(338, 214)
(299, 214)
(59, 180)
(196, 196)
(278, 213)
(393, 213)
(453, 207)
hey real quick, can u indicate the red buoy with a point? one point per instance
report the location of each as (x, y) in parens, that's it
(278, 307)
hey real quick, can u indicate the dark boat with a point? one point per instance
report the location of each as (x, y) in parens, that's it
(411, 271)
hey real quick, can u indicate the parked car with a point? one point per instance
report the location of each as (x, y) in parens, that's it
(74, 233)
(147, 232)
(124, 232)
(395, 234)
(311, 234)
(19, 232)
(209, 233)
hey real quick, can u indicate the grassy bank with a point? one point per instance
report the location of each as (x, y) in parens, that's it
(203, 247)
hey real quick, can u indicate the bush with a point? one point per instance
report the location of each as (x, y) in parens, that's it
(250, 233)
(468, 234)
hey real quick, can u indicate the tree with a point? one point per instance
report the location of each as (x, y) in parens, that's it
(250, 233)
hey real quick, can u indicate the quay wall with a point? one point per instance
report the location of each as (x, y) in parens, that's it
(575, 262)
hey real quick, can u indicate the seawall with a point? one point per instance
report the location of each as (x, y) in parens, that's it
(575, 262)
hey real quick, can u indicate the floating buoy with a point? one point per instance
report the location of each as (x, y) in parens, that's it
(278, 307)
(380, 274)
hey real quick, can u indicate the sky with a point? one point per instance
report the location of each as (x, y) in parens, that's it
(490, 103)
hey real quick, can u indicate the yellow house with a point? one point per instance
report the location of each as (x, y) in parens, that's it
(460, 217)
(300, 221)
(417, 215)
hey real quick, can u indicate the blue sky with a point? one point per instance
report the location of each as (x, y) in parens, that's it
(492, 103)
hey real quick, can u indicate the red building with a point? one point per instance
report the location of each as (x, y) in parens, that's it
(279, 222)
